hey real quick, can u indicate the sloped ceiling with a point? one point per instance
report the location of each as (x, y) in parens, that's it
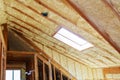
(15, 43)
(25, 17)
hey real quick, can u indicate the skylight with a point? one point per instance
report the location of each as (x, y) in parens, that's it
(72, 40)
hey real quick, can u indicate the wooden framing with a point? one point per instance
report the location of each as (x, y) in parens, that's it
(34, 64)
(36, 67)
(3, 49)
(18, 57)
(52, 62)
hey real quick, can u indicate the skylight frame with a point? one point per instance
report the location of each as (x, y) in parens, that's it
(72, 40)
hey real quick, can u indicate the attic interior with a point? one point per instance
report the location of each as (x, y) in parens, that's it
(59, 39)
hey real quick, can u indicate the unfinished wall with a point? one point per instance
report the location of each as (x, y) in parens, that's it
(79, 70)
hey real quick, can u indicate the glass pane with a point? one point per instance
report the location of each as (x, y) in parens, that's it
(17, 75)
(13, 75)
(72, 36)
(72, 40)
(9, 75)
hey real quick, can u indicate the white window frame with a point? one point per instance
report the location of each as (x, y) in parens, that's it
(72, 40)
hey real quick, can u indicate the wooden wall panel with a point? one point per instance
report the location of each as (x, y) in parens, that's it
(2, 55)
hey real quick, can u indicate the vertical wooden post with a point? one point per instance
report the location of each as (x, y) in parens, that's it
(54, 73)
(36, 67)
(43, 71)
(5, 34)
(2, 55)
(61, 76)
(0, 59)
(50, 71)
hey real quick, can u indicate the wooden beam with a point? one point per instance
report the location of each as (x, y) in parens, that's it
(61, 78)
(15, 65)
(5, 34)
(44, 71)
(36, 67)
(20, 53)
(79, 9)
(50, 70)
(54, 72)
(1, 57)
(3, 50)
(2, 37)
